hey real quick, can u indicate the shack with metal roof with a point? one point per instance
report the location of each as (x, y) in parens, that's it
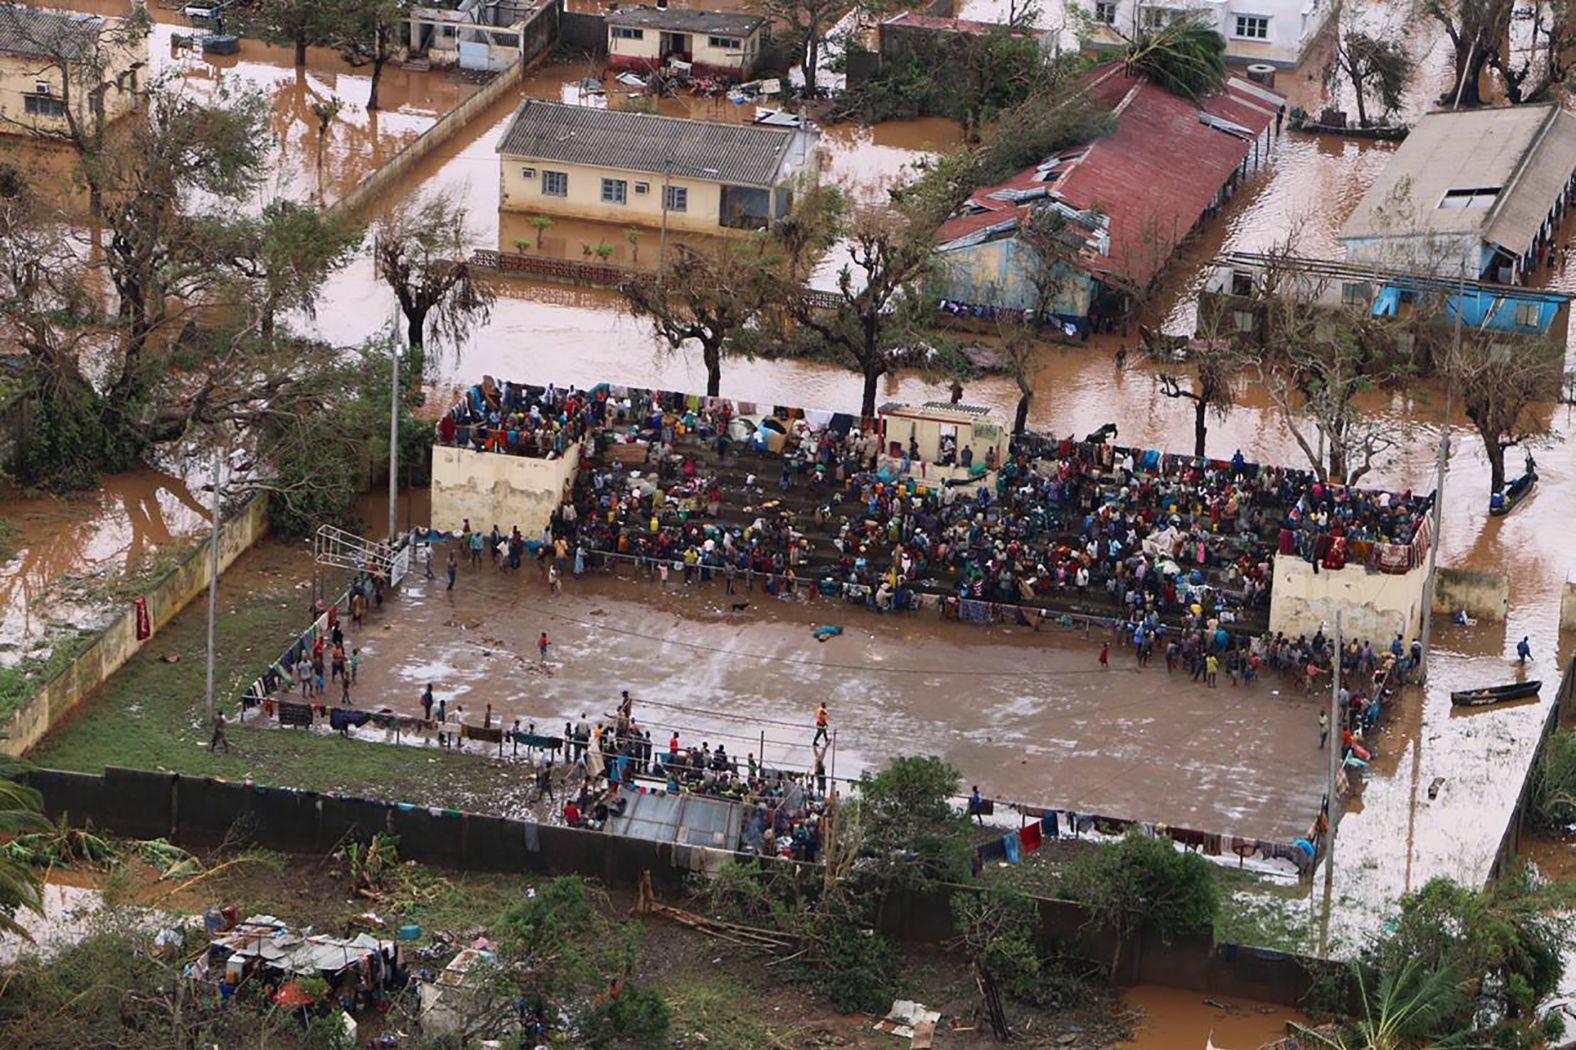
(636, 168)
(703, 43)
(52, 60)
(1476, 194)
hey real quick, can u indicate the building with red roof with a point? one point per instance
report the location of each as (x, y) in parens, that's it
(1129, 198)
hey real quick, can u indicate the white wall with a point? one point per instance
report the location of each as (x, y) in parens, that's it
(1293, 25)
(491, 488)
(1374, 605)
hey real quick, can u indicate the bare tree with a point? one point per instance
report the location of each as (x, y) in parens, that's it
(878, 311)
(1215, 363)
(803, 25)
(367, 33)
(421, 252)
(1475, 29)
(707, 296)
(1505, 389)
(1018, 352)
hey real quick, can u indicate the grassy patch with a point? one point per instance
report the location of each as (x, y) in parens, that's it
(10, 537)
(725, 1011)
(150, 715)
(1265, 920)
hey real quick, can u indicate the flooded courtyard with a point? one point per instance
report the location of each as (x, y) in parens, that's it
(1028, 716)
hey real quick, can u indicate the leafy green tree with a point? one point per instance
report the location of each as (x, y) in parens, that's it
(1554, 782)
(638, 1017)
(1141, 883)
(294, 22)
(168, 321)
(1379, 65)
(1411, 1007)
(912, 832)
(1502, 943)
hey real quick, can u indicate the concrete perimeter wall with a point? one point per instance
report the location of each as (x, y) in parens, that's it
(376, 185)
(118, 642)
(1568, 606)
(1374, 605)
(495, 489)
(1484, 595)
(201, 811)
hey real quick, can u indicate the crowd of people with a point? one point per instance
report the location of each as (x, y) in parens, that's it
(686, 485)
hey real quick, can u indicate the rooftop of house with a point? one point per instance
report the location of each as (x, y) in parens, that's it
(739, 154)
(1493, 172)
(683, 20)
(46, 34)
(1133, 199)
(911, 20)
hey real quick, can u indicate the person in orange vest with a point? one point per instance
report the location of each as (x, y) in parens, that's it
(822, 724)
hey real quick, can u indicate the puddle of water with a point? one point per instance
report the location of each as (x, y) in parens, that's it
(67, 918)
(1180, 1020)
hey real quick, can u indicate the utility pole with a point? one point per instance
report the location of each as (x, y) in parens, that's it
(1332, 811)
(394, 444)
(1421, 671)
(213, 575)
(662, 238)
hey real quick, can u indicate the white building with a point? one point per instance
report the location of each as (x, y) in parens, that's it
(1277, 32)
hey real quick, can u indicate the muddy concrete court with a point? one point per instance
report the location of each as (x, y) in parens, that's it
(1028, 716)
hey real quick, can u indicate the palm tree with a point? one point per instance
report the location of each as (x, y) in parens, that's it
(1411, 1008)
(21, 810)
(1186, 57)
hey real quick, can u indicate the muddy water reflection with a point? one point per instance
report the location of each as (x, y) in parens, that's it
(1174, 1019)
(128, 520)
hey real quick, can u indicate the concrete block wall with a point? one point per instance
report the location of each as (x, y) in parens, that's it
(202, 811)
(491, 489)
(1373, 605)
(1484, 595)
(118, 642)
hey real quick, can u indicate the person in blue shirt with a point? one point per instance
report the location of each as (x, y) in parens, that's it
(1523, 650)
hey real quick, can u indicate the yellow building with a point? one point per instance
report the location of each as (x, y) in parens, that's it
(55, 62)
(711, 43)
(638, 169)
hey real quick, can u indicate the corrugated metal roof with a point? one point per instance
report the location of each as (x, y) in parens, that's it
(682, 20)
(1525, 153)
(1132, 176)
(740, 154)
(47, 34)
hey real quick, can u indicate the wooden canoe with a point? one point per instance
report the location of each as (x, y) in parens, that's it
(1495, 694)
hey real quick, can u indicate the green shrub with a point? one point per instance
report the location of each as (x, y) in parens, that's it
(638, 1017)
(857, 969)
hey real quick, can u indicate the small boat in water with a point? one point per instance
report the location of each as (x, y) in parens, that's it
(1504, 501)
(1495, 694)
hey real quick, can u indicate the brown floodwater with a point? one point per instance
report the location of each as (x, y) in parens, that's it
(129, 519)
(1174, 1019)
